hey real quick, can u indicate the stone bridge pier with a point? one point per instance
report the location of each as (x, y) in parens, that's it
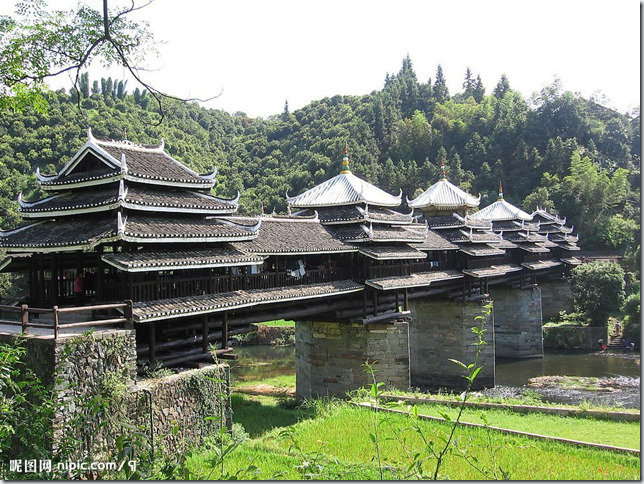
(329, 356)
(517, 322)
(440, 331)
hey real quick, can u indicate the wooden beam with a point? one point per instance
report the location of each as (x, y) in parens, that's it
(385, 317)
(152, 356)
(224, 332)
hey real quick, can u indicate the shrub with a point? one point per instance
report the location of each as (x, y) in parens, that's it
(598, 289)
(632, 320)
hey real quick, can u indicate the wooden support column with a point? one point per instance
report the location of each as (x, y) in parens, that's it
(224, 331)
(230, 279)
(130, 286)
(153, 345)
(244, 278)
(397, 300)
(364, 304)
(41, 279)
(100, 274)
(406, 301)
(53, 284)
(204, 333)
(375, 302)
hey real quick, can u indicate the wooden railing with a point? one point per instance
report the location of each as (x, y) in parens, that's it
(24, 312)
(182, 287)
(405, 269)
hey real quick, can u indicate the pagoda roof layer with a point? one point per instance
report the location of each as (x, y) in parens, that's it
(418, 279)
(481, 250)
(344, 189)
(46, 236)
(344, 214)
(435, 241)
(156, 228)
(379, 232)
(145, 164)
(175, 260)
(143, 198)
(533, 248)
(546, 217)
(384, 252)
(573, 261)
(292, 236)
(444, 195)
(211, 303)
(501, 210)
(542, 264)
(492, 271)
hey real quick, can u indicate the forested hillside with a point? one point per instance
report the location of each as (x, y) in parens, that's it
(555, 149)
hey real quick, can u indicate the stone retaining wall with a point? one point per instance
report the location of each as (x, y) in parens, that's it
(329, 357)
(99, 399)
(574, 337)
(440, 330)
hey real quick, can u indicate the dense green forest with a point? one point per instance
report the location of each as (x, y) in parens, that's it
(555, 149)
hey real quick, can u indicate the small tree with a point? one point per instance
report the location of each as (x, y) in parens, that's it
(598, 289)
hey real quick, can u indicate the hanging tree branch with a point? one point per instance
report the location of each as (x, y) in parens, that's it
(60, 42)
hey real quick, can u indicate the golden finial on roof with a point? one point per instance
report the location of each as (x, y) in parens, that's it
(443, 177)
(500, 190)
(345, 160)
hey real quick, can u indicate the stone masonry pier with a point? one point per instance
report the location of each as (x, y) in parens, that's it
(441, 330)
(517, 322)
(329, 357)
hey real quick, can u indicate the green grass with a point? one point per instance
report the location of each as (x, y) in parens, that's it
(279, 322)
(280, 381)
(336, 437)
(620, 434)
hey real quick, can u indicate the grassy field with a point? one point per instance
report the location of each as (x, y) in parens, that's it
(279, 323)
(333, 441)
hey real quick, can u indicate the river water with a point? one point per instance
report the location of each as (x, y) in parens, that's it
(620, 371)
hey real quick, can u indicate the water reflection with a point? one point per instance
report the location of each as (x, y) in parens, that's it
(511, 372)
(258, 362)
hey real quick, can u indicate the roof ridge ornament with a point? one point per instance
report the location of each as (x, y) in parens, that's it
(345, 160)
(120, 223)
(123, 164)
(442, 175)
(90, 136)
(500, 190)
(211, 175)
(122, 191)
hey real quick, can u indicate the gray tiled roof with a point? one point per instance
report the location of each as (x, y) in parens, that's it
(542, 264)
(92, 175)
(292, 236)
(152, 164)
(418, 279)
(443, 221)
(386, 252)
(481, 250)
(533, 248)
(212, 303)
(158, 228)
(145, 197)
(183, 259)
(60, 234)
(493, 271)
(435, 241)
